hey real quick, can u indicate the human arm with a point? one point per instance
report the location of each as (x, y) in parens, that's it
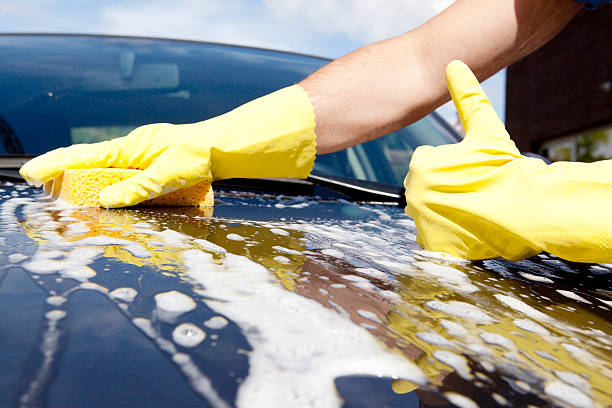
(387, 85)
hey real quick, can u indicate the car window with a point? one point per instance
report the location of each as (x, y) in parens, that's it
(56, 92)
(386, 159)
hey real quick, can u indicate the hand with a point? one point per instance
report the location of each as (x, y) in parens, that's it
(481, 198)
(272, 136)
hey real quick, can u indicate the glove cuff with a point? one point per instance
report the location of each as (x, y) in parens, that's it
(272, 136)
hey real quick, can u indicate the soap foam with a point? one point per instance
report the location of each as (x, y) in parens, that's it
(126, 294)
(188, 335)
(568, 394)
(216, 322)
(461, 309)
(296, 341)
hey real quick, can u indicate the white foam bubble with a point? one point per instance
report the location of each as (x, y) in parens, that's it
(235, 237)
(572, 295)
(279, 231)
(137, 250)
(17, 257)
(371, 272)
(453, 328)
(216, 322)
(434, 338)
(282, 259)
(94, 287)
(188, 335)
(67, 219)
(332, 252)
(536, 278)
(574, 380)
(126, 294)
(522, 307)
(77, 228)
(366, 314)
(460, 400)
(174, 238)
(56, 300)
(442, 256)
(55, 315)
(79, 273)
(531, 326)
(43, 263)
(496, 339)
(286, 250)
(175, 302)
(568, 394)
(461, 309)
(209, 246)
(102, 240)
(448, 276)
(145, 326)
(459, 363)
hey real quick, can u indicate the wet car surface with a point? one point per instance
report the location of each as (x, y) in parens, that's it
(217, 307)
(287, 293)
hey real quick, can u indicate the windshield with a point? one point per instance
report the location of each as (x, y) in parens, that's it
(61, 90)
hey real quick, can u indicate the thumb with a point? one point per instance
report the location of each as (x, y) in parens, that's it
(473, 106)
(173, 170)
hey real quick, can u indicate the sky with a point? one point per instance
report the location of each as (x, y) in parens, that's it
(327, 28)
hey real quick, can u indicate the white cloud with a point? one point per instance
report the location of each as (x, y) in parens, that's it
(363, 20)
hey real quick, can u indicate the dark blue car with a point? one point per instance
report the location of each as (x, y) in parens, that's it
(288, 293)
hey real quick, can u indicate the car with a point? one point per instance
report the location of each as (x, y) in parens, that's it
(287, 293)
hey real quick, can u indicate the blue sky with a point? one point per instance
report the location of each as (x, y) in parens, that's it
(321, 27)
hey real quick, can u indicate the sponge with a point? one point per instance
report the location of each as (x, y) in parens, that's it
(81, 187)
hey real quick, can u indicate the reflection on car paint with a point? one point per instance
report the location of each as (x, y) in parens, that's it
(311, 295)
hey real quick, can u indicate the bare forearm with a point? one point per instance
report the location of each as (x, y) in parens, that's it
(390, 84)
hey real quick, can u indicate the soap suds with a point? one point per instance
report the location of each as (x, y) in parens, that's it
(531, 326)
(459, 363)
(568, 394)
(188, 335)
(454, 329)
(522, 307)
(209, 246)
(332, 252)
(536, 278)
(282, 259)
(461, 309)
(434, 338)
(175, 302)
(279, 231)
(286, 250)
(126, 294)
(496, 339)
(17, 257)
(235, 237)
(460, 400)
(573, 295)
(137, 250)
(296, 341)
(216, 322)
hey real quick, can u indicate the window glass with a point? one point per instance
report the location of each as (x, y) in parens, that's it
(587, 146)
(60, 90)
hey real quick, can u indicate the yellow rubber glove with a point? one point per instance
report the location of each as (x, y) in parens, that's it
(481, 198)
(272, 136)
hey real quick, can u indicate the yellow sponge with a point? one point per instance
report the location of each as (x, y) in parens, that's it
(81, 187)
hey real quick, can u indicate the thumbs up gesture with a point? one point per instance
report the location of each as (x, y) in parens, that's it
(481, 198)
